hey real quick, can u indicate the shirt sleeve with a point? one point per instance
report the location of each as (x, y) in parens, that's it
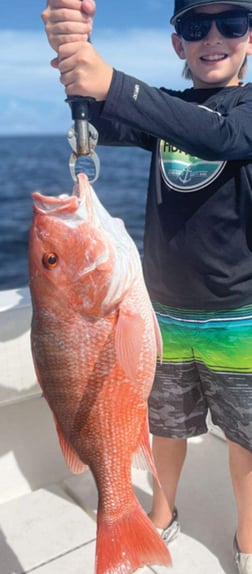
(114, 132)
(192, 128)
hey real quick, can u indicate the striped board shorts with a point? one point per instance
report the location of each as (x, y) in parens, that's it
(207, 366)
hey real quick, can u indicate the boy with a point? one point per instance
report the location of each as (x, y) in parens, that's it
(198, 235)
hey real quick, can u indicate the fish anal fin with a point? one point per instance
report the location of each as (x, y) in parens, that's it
(143, 457)
(128, 341)
(129, 543)
(74, 463)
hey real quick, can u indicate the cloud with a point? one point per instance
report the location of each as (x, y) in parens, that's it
(31, 96)
(24, 66)
(144, 53)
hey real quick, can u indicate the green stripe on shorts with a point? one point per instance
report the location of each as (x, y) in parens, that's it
(220, 340)
(207, 365)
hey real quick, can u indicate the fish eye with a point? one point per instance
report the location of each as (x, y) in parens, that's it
(50, 260)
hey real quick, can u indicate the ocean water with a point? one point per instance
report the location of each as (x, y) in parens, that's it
(41, 163)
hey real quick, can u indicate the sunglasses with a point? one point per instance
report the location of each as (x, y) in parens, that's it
(231, 24)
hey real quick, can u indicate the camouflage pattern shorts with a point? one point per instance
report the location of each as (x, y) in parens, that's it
(207, 365)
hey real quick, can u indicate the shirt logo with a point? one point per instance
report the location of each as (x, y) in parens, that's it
(136, 92)
(186, 173)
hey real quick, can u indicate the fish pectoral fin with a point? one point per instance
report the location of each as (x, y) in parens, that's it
(128, 341)
(74, 463)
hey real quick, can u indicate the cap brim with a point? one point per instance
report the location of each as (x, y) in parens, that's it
(246, 5)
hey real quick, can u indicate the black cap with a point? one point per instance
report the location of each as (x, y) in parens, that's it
(183, 6)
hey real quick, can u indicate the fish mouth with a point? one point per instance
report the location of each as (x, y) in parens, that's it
(70, 208)
(51, 204)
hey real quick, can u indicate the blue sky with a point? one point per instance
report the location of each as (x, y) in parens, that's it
(133, 36)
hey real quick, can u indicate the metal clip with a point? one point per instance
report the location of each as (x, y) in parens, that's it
(84, 159)
(83, 138)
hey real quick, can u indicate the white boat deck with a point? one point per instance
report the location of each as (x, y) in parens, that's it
(48, 517)
(52, 530)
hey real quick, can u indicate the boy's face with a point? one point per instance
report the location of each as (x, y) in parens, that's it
(214, 61)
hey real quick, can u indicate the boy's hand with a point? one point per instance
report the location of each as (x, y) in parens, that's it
(68, 21)
(83, 71)
(68, 24)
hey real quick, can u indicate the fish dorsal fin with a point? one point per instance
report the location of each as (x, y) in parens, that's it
(74, 463)
(128, 341)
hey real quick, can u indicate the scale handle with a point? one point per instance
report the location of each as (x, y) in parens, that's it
(80, 114)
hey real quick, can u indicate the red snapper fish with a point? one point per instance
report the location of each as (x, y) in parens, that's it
(94, 340)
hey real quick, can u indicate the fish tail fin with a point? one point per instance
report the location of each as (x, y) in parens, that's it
(128, 543)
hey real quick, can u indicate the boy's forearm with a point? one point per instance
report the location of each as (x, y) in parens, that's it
(181, 123)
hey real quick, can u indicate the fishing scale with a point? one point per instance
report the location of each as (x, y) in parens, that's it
(82, 137)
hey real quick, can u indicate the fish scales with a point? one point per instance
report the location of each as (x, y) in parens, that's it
(94, 339)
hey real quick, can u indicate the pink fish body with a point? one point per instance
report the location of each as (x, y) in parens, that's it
(94, 342)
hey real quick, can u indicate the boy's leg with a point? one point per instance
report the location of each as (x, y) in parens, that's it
(240, 461)
(169, 455)
(226, 375)
(177, 409)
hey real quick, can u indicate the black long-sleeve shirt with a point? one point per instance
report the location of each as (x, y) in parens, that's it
(198, 232)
